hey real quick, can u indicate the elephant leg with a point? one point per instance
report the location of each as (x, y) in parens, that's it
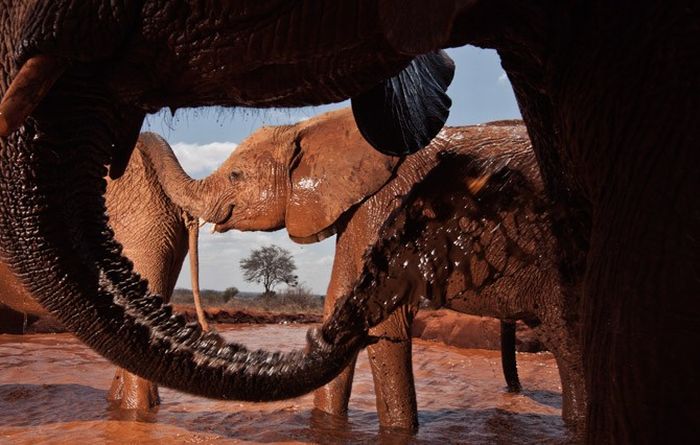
(573, 391)
(641, 312)
(392, 370)
(567, 353)
(333, 397)
(131, 392)
(128, 391)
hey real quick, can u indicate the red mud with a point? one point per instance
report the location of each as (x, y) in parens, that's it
(52, 390)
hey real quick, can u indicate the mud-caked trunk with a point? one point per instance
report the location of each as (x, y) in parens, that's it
(57, 240)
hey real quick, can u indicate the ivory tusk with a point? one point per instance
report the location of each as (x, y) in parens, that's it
(193, 243)
(30, 85)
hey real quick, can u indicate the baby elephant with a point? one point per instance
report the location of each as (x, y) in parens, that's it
(319, 177)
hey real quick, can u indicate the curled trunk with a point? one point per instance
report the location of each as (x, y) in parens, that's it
(53, 229)
(54, 233)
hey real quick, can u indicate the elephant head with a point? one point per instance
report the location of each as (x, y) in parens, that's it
(305, 177)
(76, 81)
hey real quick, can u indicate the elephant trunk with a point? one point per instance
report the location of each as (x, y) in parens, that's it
(54, 234)
(195, 196)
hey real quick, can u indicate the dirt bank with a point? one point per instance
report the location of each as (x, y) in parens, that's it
(445, 326)
(469, 331)
(229, 315)
(13, 322)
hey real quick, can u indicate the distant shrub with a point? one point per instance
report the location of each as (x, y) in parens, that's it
(300, 298)
(210, 297)
(297, 299)
(181, 296)
(229, 294)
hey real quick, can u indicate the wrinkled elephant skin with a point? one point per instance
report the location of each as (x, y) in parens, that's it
(76, 81)
(152, 231)
(612, 116)
(293, 177)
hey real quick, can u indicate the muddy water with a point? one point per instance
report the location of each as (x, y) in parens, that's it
(52, 390)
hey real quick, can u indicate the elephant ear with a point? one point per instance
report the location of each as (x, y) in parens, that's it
(404, 113)
(333, 169)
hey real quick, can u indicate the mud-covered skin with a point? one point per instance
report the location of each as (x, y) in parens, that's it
(475, 236)
(119, 61)
(611, 114)
(290, 176)
(153, 233)
(320, 177)
(170, 338)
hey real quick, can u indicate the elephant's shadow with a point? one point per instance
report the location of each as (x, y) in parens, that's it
(33, 406)
(544, 397)
(25, 405)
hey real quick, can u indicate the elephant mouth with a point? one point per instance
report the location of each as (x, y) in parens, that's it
(226, 223)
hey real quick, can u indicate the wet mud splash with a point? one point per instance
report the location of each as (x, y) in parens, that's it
(53, 389)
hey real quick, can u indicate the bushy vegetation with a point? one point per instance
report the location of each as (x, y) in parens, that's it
(292, 300)
(209, 297)
(298, 299)
(269, 266)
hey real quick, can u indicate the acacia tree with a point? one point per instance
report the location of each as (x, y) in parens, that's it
(270, 265)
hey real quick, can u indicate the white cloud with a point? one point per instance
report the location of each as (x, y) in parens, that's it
(199, 160)
(503, 78)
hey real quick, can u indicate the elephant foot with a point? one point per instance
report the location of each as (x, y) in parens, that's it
(575, 421)
(392, 372)
(133, 393)
(403, 423)
(573, 402)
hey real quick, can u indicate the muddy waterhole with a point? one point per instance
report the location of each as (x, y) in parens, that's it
(53, 389)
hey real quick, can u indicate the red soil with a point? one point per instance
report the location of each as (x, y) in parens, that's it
(227, 315)
(445, 326)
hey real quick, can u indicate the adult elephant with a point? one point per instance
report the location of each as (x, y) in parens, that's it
(76, 81)
(606, 89)
(482, 178)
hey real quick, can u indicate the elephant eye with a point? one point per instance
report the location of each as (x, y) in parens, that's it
(235, 175)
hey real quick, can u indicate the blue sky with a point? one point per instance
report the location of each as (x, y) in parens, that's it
(203, 138)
